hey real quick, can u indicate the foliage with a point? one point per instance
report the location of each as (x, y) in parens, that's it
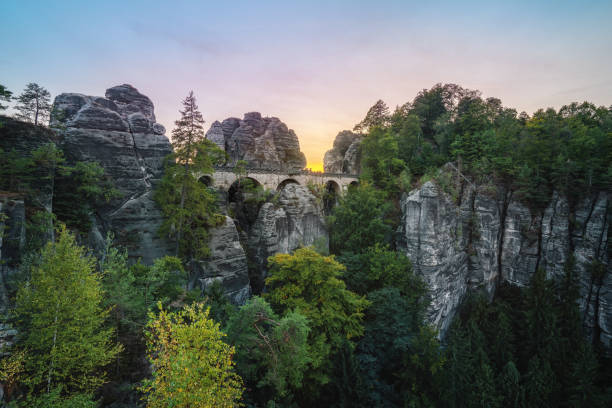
(271, 352)
(189, 206)
(5, 96)
(379, 267)
(61, 318)
(569, 150)
(192, 366)
(358, 221)
(525, 349)
(310, 284)
(377, 116)
(78, 190)
(33, 104)
(54, 399)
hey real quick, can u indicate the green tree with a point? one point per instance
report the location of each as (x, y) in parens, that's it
(310, 284)
(78, 190)
(189, 206)
(34, 104)
(61, 319)
(378, 116)
(5, 95)
(362, 209)
(192, 365)
(272, 352)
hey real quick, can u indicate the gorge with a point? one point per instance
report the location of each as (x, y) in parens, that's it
(461, 235)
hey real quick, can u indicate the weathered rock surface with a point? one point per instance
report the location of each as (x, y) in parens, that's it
(345, 156)
(120, 133)
(489, 237)
(295, 221)
(262, 142)
(12, 241)
(227, 263)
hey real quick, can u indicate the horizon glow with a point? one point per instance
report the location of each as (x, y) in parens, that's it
(316, 65)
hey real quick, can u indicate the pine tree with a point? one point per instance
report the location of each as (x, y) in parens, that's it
(61, 319)
(272, 352)
(378, 116)
(189, 206)
(34, 104)
(5, 95)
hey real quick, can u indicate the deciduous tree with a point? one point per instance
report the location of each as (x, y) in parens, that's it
(61, 319)
(192, 365)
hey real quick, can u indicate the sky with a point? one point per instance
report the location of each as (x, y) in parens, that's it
(316, 65)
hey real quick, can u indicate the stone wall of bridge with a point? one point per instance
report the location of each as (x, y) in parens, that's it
(224, 177)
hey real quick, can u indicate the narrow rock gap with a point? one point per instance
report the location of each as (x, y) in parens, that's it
(502, 232)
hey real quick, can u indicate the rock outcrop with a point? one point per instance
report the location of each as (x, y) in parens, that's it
(227, 263)
(12, 241)
(345, 156)
(262, 142)
(24, 138)
(484, 237)
(295, 220)
(120, 133)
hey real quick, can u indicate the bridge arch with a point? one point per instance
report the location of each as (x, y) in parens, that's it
(241, 185)
(283, 183)
(207, 180)
(330, 196)
(331, 186)
(353, 183)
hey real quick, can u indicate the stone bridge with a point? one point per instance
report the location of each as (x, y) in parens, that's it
(275, 180)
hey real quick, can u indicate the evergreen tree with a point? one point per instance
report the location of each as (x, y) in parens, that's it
(362, 209)
(61, 319)
(272, 352)
(34, 104)
(378, 116)
(189, 206)
(5, 95)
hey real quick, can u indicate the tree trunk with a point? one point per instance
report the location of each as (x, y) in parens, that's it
(53, 348)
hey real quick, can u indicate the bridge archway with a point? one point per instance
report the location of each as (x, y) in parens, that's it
(240, 186)
(330, 196)
(353, 184)
(206, 180)
(283, 183)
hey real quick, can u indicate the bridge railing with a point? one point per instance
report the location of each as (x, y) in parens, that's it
(294, 172)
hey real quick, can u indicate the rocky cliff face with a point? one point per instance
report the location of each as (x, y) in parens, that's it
(119, 132)
(345, 156)
(261, 142)
(12, 241)
(485, 237)
(227, 263)
(295, 220)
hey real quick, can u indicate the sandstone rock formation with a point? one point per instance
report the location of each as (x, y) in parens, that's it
(262, 142)
(120, 133)
(345, 156)
(227, 263)
(12, 241)
(490, 237)
(296, 220)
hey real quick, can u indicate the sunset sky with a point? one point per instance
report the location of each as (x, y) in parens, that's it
(317, 65)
